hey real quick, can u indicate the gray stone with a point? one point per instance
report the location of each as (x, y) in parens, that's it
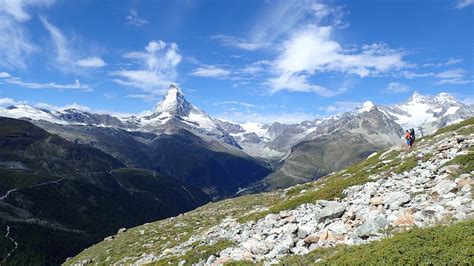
(444, 187)
(330, 210)
(366, 230)
(122, 230)
(305, 230)
(396, 199)
(338, 227)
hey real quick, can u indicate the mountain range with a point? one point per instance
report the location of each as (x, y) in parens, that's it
(73, 174)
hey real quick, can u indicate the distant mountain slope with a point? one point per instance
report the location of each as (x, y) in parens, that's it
(58, 197)
(216, 168)
(335, 144)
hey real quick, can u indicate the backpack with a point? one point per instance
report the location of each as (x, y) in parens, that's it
(412, 134)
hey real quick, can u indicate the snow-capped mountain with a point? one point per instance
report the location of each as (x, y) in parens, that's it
(427, 114)
(172, 114)
(424, 113)
(268, 141)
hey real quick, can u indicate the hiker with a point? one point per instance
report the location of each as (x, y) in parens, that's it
(407, 138)
(412, 137)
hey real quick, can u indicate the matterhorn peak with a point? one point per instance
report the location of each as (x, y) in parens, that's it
(174, 102)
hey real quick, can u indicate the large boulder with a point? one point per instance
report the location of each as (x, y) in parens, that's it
(329, 210)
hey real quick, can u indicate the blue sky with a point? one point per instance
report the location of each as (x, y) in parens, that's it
(248, 60)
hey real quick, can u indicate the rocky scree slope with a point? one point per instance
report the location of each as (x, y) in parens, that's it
(390, 192)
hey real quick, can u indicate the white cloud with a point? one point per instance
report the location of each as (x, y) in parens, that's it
(15, 45)
(299, 83)
(454, 76)
(395, 87)
(134, 19)
(10, 101)
(91, 62)
(448, 62)
(51, 85)
(210, 72)
(156, 68)
(464, 3)
(240, 43)
(312, 49)
(4, 75)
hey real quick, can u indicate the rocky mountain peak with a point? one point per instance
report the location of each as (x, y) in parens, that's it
(444, 98)
(174, 102)
(418, 97)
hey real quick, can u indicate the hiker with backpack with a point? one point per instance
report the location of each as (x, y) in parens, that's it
(412, 137)
(407, 138)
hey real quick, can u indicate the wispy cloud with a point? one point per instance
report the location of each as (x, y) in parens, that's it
(454, 76)
(15, 44)
(156, 67)
(448, 62)
(243, 104)
(281, 17)
(240, 43)
(210, 72)
(133, 19)
(63, 54)
(93, 61)
(464, 3)
(66, 58)
(396, 87)
(144, 97)
(7, 78)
